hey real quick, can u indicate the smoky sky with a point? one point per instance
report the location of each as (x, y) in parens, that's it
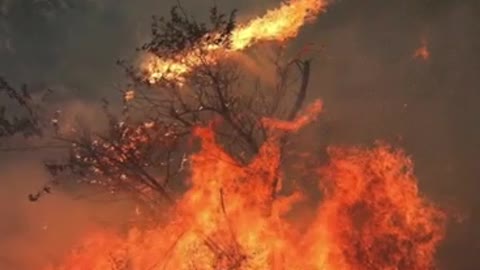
(372, 86)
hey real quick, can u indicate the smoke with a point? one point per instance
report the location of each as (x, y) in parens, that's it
(371, 85)
(34, 234)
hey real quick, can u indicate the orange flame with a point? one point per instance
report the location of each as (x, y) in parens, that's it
(278, 24)
(301, 121)
(371, 216)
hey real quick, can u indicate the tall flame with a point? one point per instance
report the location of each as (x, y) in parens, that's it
(371, 217)
(278, 24)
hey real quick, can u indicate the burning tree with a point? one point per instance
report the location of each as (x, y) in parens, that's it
(235, 211)
(143, 149)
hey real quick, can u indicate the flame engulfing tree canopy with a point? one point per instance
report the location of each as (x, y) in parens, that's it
(371, 216)
(277, 24)
(366, 213)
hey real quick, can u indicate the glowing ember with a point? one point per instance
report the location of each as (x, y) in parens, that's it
(129, 95)
(278, 24)
(371, 216)
(422, 52)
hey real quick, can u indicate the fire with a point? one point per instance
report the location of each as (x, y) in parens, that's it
(278, 24)
(301, 121)
(371, 215)
(366, 213)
